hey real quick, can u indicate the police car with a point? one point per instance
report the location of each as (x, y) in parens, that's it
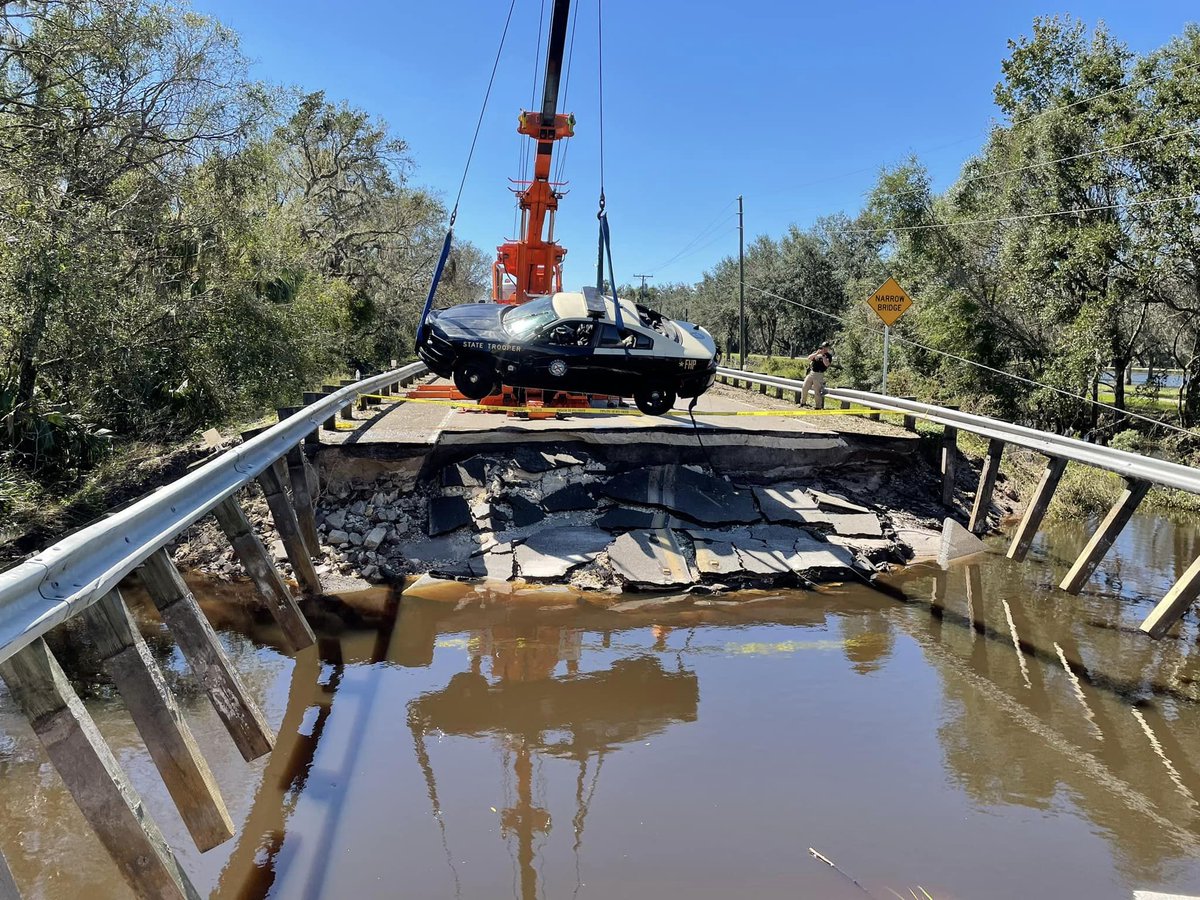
(570, 342)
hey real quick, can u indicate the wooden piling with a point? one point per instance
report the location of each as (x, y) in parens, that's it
(297, 479)
(266, 577)
(206, 657)
(271, 480)
(86, 764)
(1178, 600)
(949, 463)
(1106, 534)
(1035, 510)
(163, 729)
(987, 486)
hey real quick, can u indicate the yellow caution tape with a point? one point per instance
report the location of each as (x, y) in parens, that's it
(591, 411)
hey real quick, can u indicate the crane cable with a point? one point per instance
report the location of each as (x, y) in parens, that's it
(441, 264)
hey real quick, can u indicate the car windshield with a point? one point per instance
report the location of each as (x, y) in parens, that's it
(522, 321)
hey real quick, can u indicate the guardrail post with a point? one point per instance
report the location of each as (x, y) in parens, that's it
(874, 416)
(313, 438)
(206, 657)
(762, 388)
(163, 729)
(1178, 600)
(262, 572)
(271, 481)
(347, 412)
(949, 462)
(1035, 510)
(987, 486)
(330, 424)
(844, 404)
(910, 420)
(86, 765)
(778, 393)
(1106, 534)
(301, 496)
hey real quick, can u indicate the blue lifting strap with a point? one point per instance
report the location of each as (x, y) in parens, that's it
(606, 240)
(437, 276)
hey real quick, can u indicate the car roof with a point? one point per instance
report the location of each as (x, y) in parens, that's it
(574, 305)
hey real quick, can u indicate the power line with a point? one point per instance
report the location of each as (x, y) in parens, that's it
(978, 365)
(719, 236)
(720, 218)
(482, 110)
(1022, 217)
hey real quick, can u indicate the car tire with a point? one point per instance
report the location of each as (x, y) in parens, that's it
(654, 400)
(474, 379)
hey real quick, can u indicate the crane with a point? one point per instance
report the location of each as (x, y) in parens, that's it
(531, 264)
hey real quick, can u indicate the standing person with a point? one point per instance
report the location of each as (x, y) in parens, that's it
(819, 361)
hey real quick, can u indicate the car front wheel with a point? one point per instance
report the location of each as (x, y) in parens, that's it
(654, 401)
(474, 379)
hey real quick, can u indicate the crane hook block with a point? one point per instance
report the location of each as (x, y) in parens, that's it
(530, 123)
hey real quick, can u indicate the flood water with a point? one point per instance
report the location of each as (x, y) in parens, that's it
(990, 738)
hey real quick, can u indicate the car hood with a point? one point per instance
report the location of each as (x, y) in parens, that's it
(476, 321)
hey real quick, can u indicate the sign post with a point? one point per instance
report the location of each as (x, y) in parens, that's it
(890, 302)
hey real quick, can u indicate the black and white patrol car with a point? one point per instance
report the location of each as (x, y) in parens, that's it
(570, 342)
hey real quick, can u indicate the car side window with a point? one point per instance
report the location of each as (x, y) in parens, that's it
(568, 334)
(611, 336)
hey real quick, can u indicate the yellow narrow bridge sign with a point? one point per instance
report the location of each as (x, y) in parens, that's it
(890, 302)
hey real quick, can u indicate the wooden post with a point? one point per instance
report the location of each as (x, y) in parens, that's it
(91, 773)
(874, 416)
(762, 389)
(987, 486)
(778, 393)
(1172, 607)
(206, 657)
(799, 397)
(163, 729)
(910, 420)
(271, 481)
(8, 886)
(845, 404)
(1035, 510)
(313, 438)
(1106, 534)
(266, 578)
(949, 463)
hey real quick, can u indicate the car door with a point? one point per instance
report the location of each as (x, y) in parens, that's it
(557, 357)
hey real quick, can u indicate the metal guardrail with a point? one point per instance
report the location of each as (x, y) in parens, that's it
(1130, 465)
(69, 576)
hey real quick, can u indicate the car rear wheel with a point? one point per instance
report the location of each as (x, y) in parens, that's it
(474, 379)
(654, 400)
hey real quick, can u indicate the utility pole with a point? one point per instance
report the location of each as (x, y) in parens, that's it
(741, 286)
(642, 292)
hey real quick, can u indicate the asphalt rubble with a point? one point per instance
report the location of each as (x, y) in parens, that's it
(566, 518)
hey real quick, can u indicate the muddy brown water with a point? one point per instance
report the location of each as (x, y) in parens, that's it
(990, 738)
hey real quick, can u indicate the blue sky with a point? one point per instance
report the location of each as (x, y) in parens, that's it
(796, 106)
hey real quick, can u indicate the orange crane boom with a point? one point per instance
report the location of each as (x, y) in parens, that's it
(531, 264)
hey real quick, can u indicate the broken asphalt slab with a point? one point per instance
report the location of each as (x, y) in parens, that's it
(554, 553)
(651, 558)
(700, 498)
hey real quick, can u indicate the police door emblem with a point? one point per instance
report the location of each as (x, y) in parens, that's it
(558, 368)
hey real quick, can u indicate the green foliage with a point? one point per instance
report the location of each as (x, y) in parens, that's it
(179, 245)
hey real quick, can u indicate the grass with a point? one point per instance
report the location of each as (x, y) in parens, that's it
(1167, 399)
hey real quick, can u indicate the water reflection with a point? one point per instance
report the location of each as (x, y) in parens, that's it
(444, 745)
